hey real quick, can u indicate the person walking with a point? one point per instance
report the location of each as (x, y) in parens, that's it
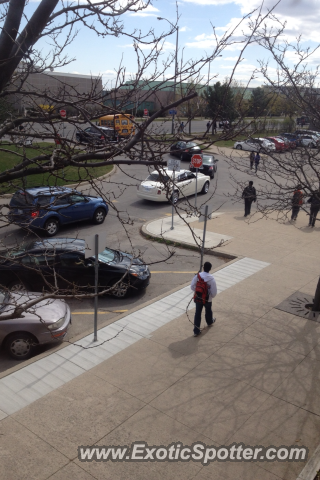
(181, 127)
(249, 195)
(297, 201)
(252, 157)
(314, 201)
(257, 160)
(200, 282)
(208, 126)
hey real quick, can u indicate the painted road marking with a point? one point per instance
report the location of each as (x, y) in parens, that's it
(106, 311)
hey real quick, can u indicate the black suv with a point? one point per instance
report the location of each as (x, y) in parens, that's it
(96, 135)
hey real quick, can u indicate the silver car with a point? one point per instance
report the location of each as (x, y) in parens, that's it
(260, 145)
(45, 322)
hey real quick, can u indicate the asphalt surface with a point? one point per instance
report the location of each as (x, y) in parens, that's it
(170, 267)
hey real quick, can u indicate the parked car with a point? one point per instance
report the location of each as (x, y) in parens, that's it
(96, 135)
(209, 165)
(308, 132)
(36, 265)
(280, 145)
(45, 322)
(292, 138)
(48, 208)
(184, 150)
(311, 141)
(158, 186)
(260, 145)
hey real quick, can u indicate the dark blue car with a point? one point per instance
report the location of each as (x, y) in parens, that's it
(48, 208)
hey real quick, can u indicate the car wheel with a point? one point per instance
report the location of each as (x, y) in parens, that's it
(212, 176)
(17, 286)
(205, 188)
(174, 198)
(120, 290)
(19, 345)
(238, 147)
(51, 227)
(99, 216)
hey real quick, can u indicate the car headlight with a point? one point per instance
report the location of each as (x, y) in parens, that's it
(138, 273)
(56, 325)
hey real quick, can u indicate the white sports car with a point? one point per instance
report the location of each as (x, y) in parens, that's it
(158, 186)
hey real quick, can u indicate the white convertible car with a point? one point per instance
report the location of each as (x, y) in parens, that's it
(158, 186)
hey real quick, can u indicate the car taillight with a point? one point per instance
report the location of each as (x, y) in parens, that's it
(210, 168)
(35, 214)
(159, 192)
(187, 150)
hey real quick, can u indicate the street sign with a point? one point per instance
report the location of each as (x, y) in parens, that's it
(196, 160)
(63, 113)
(145, 112)
(174, 164)
(172, 112)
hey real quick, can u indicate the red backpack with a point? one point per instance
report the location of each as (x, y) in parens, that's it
(201, 291)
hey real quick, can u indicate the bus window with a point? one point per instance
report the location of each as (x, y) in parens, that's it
(124, 122)
(117, 122)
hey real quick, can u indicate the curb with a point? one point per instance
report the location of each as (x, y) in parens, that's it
(76, 185)
(187, 246)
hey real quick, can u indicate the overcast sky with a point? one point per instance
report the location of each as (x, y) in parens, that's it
(102, 56)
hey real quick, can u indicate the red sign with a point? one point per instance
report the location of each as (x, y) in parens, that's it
(145, 112)
(63, 113)
(196, 161)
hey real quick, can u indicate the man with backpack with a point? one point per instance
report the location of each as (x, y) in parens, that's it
(205, 289)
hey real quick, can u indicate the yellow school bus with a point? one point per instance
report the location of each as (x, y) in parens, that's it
(123, 124)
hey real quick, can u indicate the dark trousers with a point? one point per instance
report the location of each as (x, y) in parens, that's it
(247, 206)
(256, 165)
(313, 215)
(197, 315)
(251, 164)
(295, 211)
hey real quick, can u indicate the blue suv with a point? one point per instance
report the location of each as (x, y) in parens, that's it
(48, 208)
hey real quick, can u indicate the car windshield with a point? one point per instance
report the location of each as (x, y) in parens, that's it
(107, 256)
(207, 159)
(21, 199)
(157, 177)
(15, 252)
(191, 144)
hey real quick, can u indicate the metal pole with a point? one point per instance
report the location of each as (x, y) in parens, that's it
(96, 269)
(316, 301)
(208, 76)
(204, 235)
(195, 203)
(175, 79)
(173, 179)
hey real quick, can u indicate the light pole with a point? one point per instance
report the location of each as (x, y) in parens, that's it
(175, 68)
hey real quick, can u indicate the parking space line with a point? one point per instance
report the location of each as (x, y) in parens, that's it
(99, 313)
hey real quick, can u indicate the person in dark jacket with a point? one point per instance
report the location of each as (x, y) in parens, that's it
(297, 200)
(252, 157)
(257, 160)
(249, 195)
(314, 201)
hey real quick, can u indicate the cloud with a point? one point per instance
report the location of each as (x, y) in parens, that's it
(301, 16)
(184, 29)
(149, 11)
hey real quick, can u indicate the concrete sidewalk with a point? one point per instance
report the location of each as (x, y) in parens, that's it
(253, 378)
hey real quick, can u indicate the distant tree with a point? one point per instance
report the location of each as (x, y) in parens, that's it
(221, 102)
(258, 102)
